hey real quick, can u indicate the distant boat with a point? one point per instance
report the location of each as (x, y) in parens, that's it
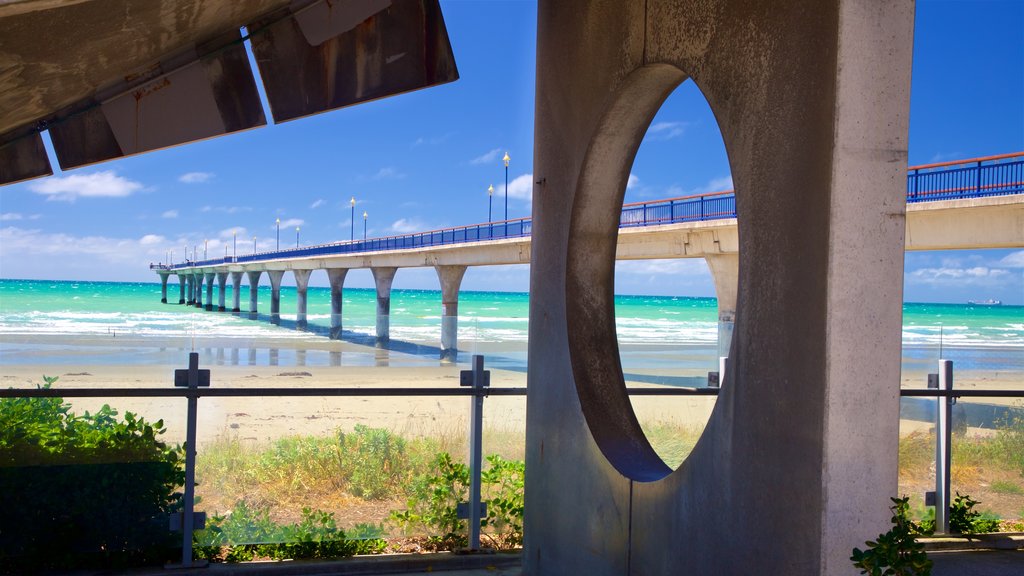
(988, 302)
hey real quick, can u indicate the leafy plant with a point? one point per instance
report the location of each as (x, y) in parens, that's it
(100, 486)
(896, 552)
(963, 519)
(374, 460)
(433, 505)
(248, 533)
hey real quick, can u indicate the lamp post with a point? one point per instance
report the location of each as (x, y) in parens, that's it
(278, 234)
(234, 243)
(365, 216)
(206, 247)
(352, 220)
(253, 244)
(296, 236)
(506, 159)
(490, 200)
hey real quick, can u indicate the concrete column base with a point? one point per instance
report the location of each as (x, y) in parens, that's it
(275, 295)
(254, 286)
(383, 277)
(336, 276)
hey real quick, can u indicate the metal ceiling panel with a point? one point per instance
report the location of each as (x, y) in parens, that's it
(401, 48)
(321, 21)
(153, 109)
(22, 159)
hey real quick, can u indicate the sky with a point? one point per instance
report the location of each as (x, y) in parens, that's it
(424, 160)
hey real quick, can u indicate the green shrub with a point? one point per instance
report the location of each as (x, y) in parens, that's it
(374, 460)
(83, 490)
(896, 552)
(963, 519)
(435, 496)
(248, 533)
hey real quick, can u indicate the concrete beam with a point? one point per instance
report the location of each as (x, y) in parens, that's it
(451, 279)
(382, 278)
(993, 222)
(336, 276)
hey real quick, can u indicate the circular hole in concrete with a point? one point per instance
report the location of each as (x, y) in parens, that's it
(666, 312)
(638, 115)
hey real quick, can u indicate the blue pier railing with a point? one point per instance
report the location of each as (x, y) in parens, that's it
(960, 179)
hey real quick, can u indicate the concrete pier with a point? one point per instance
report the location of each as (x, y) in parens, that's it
(383, 277)
(191, 281)
(725, 271)
(275, 295)
(163, 287)
(236, 292)
(222, 279)
(336, 276)
(209, 290)
(451, 279)
(181, 288)
(254, 285)
(301, 286)
(198, 302)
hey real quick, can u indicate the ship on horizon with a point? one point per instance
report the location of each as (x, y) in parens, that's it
(986, 302)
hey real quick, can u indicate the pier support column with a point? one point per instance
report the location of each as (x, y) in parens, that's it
(191, 282)
(222, 279)
(236, 289)
(163, 288)
(725, 270)
(451, 279)
(337, 279)
(301, 284)
(254, 285)
(275, 295)
(181, 286)
(209, 290)
(383, 277)
(197, 300)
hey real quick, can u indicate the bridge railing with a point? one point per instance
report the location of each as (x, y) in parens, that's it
(959, 179)
(974, 178)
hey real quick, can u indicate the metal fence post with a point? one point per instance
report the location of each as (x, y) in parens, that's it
(943, 437)
(478, 378)
(192, 378)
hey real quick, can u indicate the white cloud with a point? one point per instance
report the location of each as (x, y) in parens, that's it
(105, 184)
(34, 253)
(240, 232)
(195, 177)
(1012, 260)
(487, 157)
(665, 130)
(9, 216)
(316, 204)
(289, 223)
(976, 276)
(632, 182)
(226, 209)
(170, 214)
(720, 184)
(407, 226)
(151, 239)
(388, 173)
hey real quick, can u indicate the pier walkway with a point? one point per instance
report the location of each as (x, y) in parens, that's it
(962, 204)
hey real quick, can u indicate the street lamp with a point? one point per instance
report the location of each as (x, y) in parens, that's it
(352, 232)
(278, 233)
(490, 200)
(365, 216)
(296, 236)
(506, 159)
(206, 246)
(253, 244)
(234, 243)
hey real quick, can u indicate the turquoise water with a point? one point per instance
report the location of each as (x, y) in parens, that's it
(37, 314)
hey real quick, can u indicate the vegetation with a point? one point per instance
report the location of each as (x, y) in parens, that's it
(963, 518)
(896, 552)
(90, 489)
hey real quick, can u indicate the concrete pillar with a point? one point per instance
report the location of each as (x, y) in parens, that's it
(275, 295)
(725, 270)
(301, 284)
(383, 277)
(236, 292)
(254, 285)
(163, 288)
(222, 280)
(198, 302)
(191, 279)
(451, 279)
(209, 290)
(337, 278)
(181, 284)
(804, 434)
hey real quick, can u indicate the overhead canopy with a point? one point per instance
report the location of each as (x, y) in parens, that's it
(112, 78)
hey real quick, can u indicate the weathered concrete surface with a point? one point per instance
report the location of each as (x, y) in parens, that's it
(254, 286)
(301, 288)
(236, 291)
(811, 98)
(336, 277)
(725, 271)
(181, 282)
(222, 280)
(382, 279)
(450, 278)
(209, 289)
(993, 222)
(163, 287)
(275, 295)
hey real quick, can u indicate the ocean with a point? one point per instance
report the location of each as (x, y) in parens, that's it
(65, 322)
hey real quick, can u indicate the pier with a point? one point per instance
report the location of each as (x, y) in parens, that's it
(962, 204)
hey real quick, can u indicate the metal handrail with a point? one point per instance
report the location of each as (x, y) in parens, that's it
(998, 175)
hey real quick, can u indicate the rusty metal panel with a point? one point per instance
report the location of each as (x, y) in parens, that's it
(401, 48)
(150, 109)
(23, 158)
(321, 21)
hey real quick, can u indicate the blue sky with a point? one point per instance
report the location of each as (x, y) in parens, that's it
(424, 160)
